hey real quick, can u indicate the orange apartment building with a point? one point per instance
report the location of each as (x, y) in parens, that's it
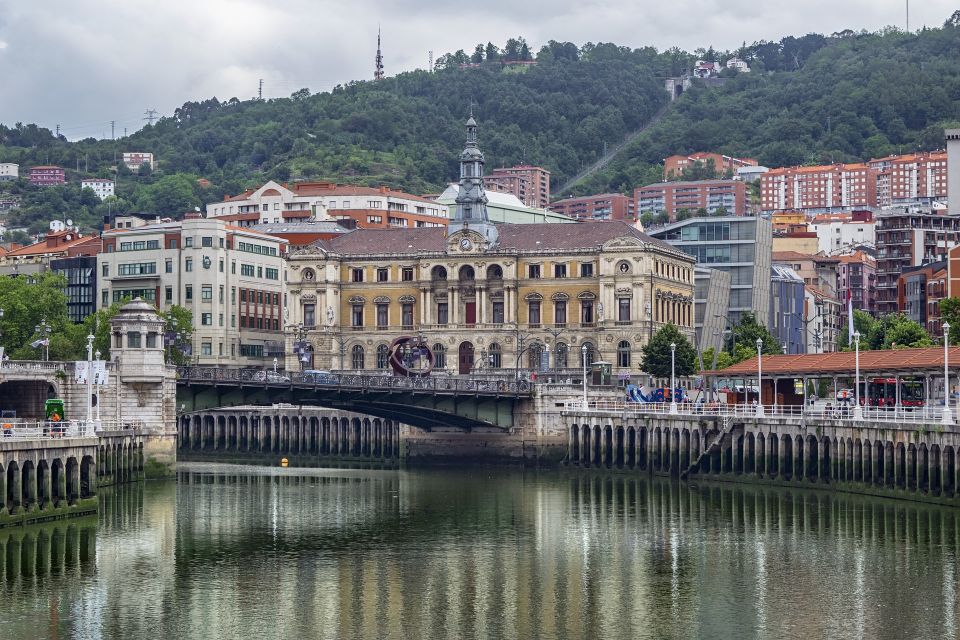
(711, 195)
(369, 207)
(674, 166)
(530, 184)
(918, 178)
(604, 206)
(819, 189)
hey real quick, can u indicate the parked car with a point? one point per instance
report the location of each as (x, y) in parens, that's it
(845, 395)
(269, 376)
(319, 376)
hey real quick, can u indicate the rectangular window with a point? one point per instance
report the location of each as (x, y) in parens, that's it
(137, 269)
(105, 298)
(221, 320)
(309, 315)
(188, 242)
(105, 272)
(251, 350)
(406, 315)
(221, 265)
(356, 316)
(276, 299)
(233, 323)
(559, 271)
(233, 267)
(259, 272)
(273, 274)
(243, 295)
(168, 294)
(383, 313)
(133, 339)
(560, 313)
(221, 294)
(206, 241)
(188, 292)
(382, 275)
(442, 314)
(151, 340)
(233, 295)
(586, 312)
(533, 314)
(188, 264)
(356, 275)
(623, 310)
(168, 268)
(206, 293)
(206, 348)
(586, 270)
(172, 244)
(497, 312)
(246, 270)
(533, 271)
(407, 274)
(206, 319)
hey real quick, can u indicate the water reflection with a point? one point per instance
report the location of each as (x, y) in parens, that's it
(238, 552)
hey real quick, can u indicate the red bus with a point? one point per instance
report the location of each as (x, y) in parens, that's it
(882, 392)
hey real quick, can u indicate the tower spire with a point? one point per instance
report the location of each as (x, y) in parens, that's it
(471, 212)
(378, 71)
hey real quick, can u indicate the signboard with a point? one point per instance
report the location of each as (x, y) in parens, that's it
(99, 371)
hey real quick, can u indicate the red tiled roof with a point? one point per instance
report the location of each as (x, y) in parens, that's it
(928, 360)
(41, 248)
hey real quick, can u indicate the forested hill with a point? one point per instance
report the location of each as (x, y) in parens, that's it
(811, 99)
(859, 96)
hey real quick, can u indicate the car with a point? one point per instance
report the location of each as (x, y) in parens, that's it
(845, 395)
(319, 376)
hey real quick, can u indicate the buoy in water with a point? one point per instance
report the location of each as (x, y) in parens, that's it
(284, 462)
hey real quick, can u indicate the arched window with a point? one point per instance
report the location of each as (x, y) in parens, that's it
(494, 272)
(591, 353)
(466, 272)
(496, 356)
(383, 356)
(535, 356)
(438, 273)
(623, 354)
(439, 356)
(356, 357)
(560, 355)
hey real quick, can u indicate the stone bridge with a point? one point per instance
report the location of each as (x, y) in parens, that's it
(427, 403)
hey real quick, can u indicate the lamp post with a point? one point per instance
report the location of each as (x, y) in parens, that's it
(1, 337)
(96, 357)
(673, 382)
(857, 411)
(274, 365)
(44, 330)
(583, 354)
(947, 414)
(89, 379)
(760, 378)
(300, 343)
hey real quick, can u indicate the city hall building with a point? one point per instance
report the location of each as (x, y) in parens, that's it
(487, 296)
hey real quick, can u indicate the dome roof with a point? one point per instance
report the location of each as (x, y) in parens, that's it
(137, 305)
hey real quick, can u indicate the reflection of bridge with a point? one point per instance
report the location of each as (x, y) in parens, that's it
(441, 401)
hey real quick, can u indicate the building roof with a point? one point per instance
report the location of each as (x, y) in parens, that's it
(793, 256)
(858, 257)
(97, 180)
(681, 183)
(46, 166)
(331, 189)
(517, 237)
(300, 226)
(53, 243)
(843, 363)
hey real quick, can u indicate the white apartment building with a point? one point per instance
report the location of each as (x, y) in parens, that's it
(9, 171)
(838, 236)
(103, 187)
(134, 159)
(231, 279)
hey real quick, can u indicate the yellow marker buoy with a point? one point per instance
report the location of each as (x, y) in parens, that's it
(283, 462)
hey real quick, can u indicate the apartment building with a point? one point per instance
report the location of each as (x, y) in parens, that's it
(919, 291)
(47, 175)
(857, 282)
(815, 270)
(604, 206)
(529, 183)
(369, 207)
(919, 178)
(230, 278)
(909, 237)
(674, 166)
(820, 189)
(840, 232)
(103, 187)
(9, 171)
(710, 195)
(136, 159)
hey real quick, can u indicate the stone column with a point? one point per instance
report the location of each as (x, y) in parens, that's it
(45, 488)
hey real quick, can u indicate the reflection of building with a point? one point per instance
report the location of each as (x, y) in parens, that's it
(604, 206)
(489, 295)
(231, 279)
(369, 207)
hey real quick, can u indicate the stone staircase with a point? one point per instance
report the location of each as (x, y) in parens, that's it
(717, 438)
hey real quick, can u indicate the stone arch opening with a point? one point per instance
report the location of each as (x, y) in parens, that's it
(43, 483)
(28, 484)
(57, 482)
(73, 480)
(13, 496)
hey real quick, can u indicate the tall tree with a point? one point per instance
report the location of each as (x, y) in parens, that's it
(657, 353)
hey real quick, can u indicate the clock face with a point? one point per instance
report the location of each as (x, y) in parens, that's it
(465, 244)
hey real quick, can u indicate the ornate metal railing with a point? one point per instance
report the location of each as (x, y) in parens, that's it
(358, 381)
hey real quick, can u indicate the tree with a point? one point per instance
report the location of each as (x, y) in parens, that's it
(492, 52)
(657, 356)
(862, 322)
(477, 56)
(744, 336)
(178, 333)
(950, 312)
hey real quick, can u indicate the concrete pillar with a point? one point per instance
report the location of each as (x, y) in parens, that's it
(45, 487)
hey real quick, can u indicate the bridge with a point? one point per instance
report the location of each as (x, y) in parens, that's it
(429, 403)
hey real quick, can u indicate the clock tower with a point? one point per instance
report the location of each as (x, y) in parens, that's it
(471, 211)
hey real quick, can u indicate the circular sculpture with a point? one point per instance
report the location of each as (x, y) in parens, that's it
(410, 357)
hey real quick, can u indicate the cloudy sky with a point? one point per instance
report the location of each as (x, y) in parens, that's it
(83, 63)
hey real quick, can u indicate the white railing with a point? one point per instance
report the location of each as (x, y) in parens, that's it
(23, 430)
(32, 365)
(892, 415)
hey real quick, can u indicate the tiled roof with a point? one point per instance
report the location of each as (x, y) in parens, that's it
(843, 363)
(41, 248)
(520, 237)
(789, 256)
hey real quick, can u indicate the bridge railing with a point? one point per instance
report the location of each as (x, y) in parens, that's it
(359, 381)
(31, 365)
(22, 430)
(892, 415)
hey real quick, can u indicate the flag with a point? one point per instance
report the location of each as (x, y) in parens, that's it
(849, 316)
(39, 343)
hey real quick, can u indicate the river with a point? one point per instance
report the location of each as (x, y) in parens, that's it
(248, 552)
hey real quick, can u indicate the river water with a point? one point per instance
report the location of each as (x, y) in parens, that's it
(247, 552)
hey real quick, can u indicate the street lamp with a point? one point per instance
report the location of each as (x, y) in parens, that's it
(96, 357)
(760, 378)
(583, 353)
(673, 382)
(89, 379)
(44, 330)
(947, 414)
(274, 365)
(857, 411)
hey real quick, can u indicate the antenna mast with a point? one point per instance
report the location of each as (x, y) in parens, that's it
(378, 70)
